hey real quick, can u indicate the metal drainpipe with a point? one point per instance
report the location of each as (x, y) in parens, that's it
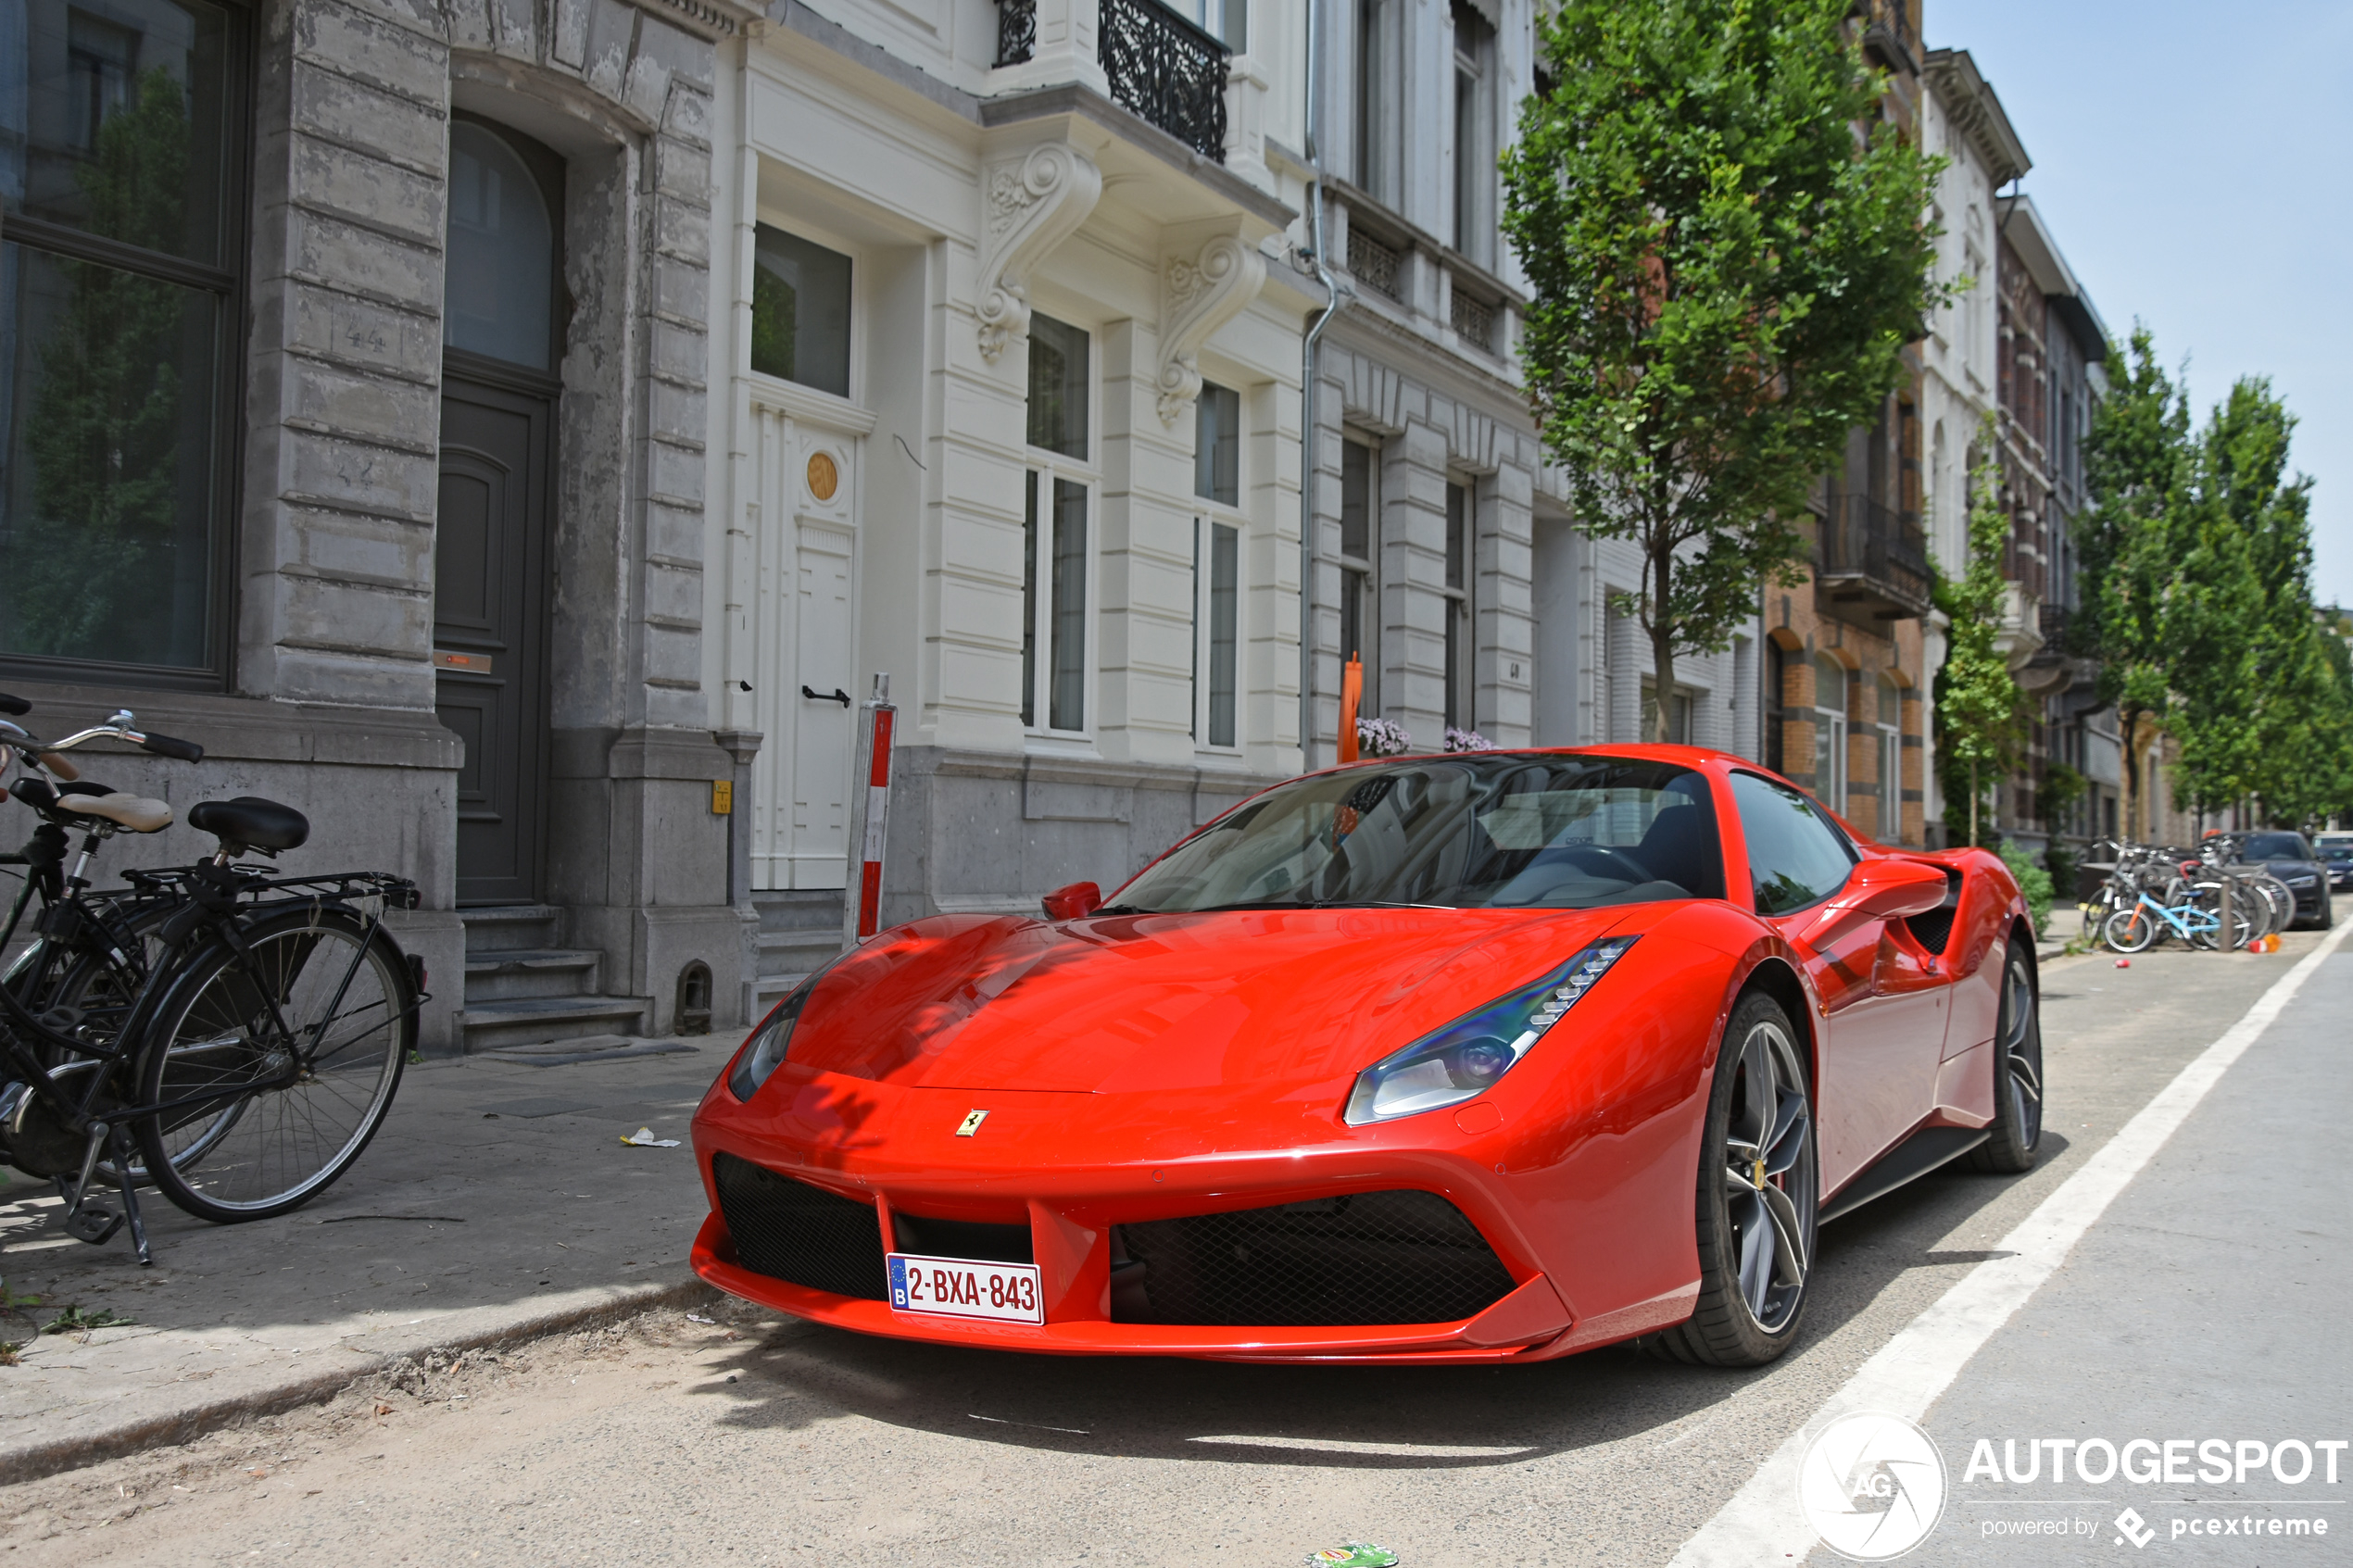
(1307, 432)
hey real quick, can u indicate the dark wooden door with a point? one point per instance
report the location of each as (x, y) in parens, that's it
(490, 623)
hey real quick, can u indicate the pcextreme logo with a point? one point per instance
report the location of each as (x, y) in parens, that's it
(1873, 1485)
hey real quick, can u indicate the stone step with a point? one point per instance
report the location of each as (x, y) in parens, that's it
(796, 950)
(589, 1047)
(805, 909)
(510, 927)
(509, 974)
(531, 1020)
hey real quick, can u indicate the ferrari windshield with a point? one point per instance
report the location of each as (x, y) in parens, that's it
(1496, 830)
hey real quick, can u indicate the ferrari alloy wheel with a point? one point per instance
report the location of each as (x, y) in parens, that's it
(1758, 1184)
(2018, 1071)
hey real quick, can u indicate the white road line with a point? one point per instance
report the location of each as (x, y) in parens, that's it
(1761, 1523)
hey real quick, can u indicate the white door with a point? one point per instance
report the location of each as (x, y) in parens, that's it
(825, 729)
(805, 639)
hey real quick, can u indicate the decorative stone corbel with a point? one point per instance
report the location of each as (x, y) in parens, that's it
(1200, 294)
(1030, 204)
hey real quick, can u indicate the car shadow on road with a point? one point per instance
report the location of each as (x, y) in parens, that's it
(800, 1375)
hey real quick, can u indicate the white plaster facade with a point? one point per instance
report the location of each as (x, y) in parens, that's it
(968, 197)
(1962, 121)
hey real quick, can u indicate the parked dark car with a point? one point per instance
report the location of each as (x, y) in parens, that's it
(2290, 857)
(2338, 859)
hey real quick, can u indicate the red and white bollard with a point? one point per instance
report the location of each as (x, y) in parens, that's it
(869, 815)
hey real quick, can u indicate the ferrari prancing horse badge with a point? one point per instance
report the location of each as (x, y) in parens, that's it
(972, 1119)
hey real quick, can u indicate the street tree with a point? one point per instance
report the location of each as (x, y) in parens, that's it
(1725, 241)
(1978, 700)
(2140, 471)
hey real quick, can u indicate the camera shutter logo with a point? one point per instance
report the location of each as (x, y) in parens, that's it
(1873, 1485)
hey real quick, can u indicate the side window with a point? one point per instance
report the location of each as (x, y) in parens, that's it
(1795, 858)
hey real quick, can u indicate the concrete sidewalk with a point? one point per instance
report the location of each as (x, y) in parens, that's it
(497, 1202)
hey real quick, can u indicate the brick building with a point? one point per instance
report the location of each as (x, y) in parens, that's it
(1844, 678)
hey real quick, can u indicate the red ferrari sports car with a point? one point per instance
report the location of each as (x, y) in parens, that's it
(1473, 1058)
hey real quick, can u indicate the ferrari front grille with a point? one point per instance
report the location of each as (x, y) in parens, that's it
(1368, 1257)
(799, 1234)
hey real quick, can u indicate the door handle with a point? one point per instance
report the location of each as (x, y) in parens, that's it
(836, 694)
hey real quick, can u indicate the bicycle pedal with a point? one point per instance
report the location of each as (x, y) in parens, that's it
(92, 1224)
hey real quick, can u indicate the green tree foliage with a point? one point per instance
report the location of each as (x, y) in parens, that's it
(2139, 469)
(1978, 700)
(90, 573)
(1725, 242)
(2197, 563)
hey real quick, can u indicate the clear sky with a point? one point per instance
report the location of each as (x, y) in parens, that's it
(2195, 160)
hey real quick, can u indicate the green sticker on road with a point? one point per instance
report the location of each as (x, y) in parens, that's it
(1355, 1554)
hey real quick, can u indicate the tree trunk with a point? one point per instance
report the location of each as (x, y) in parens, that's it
(1662, 652)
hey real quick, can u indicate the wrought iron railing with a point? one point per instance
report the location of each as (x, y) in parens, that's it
(1886, 549)
(1474, 318)
(1016, 31)
(2053, 625)
(1167, 70)
(1372, 263)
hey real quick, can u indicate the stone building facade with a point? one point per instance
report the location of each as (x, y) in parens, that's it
(2052, 375)
(1029, 443)
(408, 531)
(1445, 555)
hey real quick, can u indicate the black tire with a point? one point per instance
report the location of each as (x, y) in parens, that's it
(2018, 1071)
(323, 1083)
(1759, 1187)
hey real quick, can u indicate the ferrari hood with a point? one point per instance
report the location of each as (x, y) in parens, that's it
(1166, 1002)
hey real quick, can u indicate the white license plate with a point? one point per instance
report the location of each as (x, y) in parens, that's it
(959, 1287)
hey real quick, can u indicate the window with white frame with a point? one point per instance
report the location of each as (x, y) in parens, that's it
(1461, 529)
(1359, 564)
(1891, 761)
(1678, 714)
(1375, 95)
(1056, 551)
(1474, 136)
(799, 311)
(1218, 553)
(1830, 733)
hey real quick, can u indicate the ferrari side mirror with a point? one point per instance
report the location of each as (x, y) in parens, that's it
(1075, 902)
(1893, 889)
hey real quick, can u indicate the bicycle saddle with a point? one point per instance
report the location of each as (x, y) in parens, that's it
(135, 813)
(251, 822)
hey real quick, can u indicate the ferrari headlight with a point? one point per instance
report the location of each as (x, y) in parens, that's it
(764, 1051)
(1464, 1058)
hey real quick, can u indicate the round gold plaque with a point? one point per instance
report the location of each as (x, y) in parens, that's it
(824, 478)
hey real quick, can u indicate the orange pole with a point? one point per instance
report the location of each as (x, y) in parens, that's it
(1352, 696)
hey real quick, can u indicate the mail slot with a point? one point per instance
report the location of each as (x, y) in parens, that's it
(471, 663)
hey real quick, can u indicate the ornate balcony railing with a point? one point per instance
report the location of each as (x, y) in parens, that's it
(1873, 557)
(1016, 31)
(1167, 70)
(1474, 318)
(1372, 263)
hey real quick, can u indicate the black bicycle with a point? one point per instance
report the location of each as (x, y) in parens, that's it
(232, 1036)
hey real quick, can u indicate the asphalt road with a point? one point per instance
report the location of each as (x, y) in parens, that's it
(2202, 1305)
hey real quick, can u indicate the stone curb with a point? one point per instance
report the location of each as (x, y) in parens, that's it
(34, 1462)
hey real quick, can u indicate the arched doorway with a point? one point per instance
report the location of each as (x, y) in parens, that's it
(502, 339)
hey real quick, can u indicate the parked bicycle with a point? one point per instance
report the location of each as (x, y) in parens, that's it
(231, 1036)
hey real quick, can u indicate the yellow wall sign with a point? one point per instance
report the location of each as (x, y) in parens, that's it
(824, 478)
(723, 797)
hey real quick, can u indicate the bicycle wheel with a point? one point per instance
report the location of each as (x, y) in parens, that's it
(2133, 929)
(2282, 900)
(104, 984)
(278, 1100)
